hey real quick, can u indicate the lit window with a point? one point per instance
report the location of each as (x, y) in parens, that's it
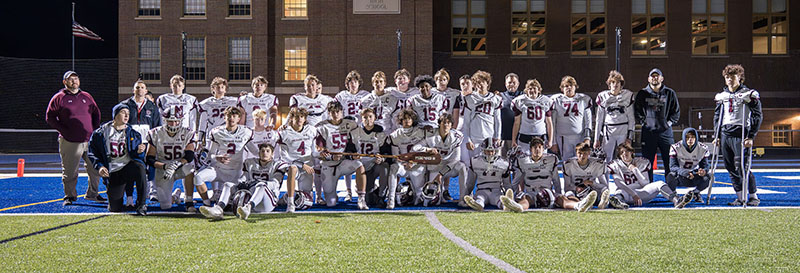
(649, 27)
(782, 135)
(295, 9)
(295, 57)
(528, 25)
(709, 27)
(588, 27)
(770, 26)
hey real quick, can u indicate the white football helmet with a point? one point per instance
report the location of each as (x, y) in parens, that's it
(172, 114)
(491, 144)
(303, 200)
(431, 194)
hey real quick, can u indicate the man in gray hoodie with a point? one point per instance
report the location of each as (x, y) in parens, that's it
(688, 166)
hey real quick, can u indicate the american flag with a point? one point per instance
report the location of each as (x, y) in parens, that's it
(81, 31)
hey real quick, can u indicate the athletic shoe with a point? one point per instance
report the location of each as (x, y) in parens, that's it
(68, 201)
(603, 204)
(349, 197)
(176, 196)
(214, 212)
(587, 202)
(510, 194)
(472, 204)
(321, 201)
(362, 203)
(243, 211)
(290, 207)
(153, 197)
(190, 207)
(141, 211)
(753, 202)
(97, 198)
(616, 203)
(390, 203)
(446, 195)
(684, 200)
(670, 197)
(736, 202)
(510, 205)
(698, 198)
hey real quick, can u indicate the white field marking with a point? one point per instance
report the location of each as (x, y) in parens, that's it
(467, 246)
(716, 190)
(797, 177)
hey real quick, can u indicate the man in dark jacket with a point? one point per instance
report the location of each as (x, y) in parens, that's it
(656, 108)
(507, 114)
(117, 153)
(145, 117)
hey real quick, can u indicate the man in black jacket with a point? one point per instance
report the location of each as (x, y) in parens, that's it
(656, 108)
(144, 115)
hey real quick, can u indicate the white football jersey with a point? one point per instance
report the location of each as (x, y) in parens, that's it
(402, 97)
(250, 103)
(404, 139)
(733, 103)
(296, 147)
(351, 103)
(614, 113)
(266, 136)
(270, 172)
(368, 143)
(334, 137)
(385, 107)
(428, 110)
(688, 160)
(116, 148)
(233, 144)
(623, 175)
(169, 148)
(541, 174)
(211, 111)
(452, 98)
(185, 106)
(317, 107)
(533, 113)
(482, 117)
(575, 174)
(572, 116)
(449, 147)
(489, 175)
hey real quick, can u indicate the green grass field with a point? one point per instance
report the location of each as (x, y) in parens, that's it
(601, 241)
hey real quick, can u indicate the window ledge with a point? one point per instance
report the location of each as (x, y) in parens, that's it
(771, 55)
(294, 18)
(147, 18)
(469, 57)
(239, 17)
(196, 82)
(711, 56)
(193, 17)
(292, 82)
(588, 56)
(529, 56)
(155, 82)
(649, 56)
(247, 82)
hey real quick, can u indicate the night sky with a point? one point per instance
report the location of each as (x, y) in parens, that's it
(43, 29)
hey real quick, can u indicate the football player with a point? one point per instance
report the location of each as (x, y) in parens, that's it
(541, 185)
(259, 99)
(210, 109)
(263, 134)
(351, 98)
(633, 187)
(490, 170)
(688, 166)
(427, 104)
(533, 117)
(446, 143)
(226, 149)
(315, 104)
(584, 176)
(615, 121)
(382, 103)
(332, 137)
(263, 180)
(186, 104)
(452, 97)
(371, 139)
(296, 139)
(572, 118)
(171, 152)
(481, 114)
(402, 91)
(402, 141)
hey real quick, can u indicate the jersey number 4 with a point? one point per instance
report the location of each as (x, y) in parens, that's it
(571, 107)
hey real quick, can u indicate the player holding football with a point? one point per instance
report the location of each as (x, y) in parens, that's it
(263, 180)
(259, 99)
(572, 118)
(584, 176)
(332, 137)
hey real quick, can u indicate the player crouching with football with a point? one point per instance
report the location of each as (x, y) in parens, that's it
(170, 153)
(259, 193)
(539, 173)
(447, 143)
(490, 171)
(633, 187)
(332, 138)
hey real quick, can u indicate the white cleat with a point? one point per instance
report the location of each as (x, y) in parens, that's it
(603, 204)
(349, 197)
(510, 194)
(509, 204)
(290, 208)
(214, 212)
(362, 203)
(390, 203)
(176, 196)
(243, 211)
(472, 204)
(587, 202)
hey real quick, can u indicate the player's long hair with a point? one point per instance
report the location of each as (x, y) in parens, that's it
(615, 76)
(734, 69)
(294, 112)
(407, 113)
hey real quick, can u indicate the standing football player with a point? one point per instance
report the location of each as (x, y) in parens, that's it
(210, 109)
(688, 166)
(633, 187)
(351, 98)
(259, 99)
(572, 118)
(402, 141)
(402, 91)
(738, 115)
(481, 114)
(186, 104)
(382, 103)
(490, 170)
(170, 153)
(452, 97)
(584, 176)
(263, 176)
(332, 137)
(533, 117)
(297, 141)
(615, 121)
(541, 185)
(427, 104)
(446, 143)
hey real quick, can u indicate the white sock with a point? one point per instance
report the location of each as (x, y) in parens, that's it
(753, 195)
(206, 202)
(740, 196)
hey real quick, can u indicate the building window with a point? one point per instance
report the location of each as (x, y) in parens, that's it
(196, 59)
(194, 7)
(239, 58)
(150, 58)
(528, 24)
(149, 7)
(770, 26)
(649, 27)
(709, 27)
(295, 9)
(782, 135)
(588, 27)
(295, 57)
(239, 8)
(469, 27)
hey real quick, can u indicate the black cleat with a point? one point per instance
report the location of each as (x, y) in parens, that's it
(446, 195)
(753, 202)
(736, 202)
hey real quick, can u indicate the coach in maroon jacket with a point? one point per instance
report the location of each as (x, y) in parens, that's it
(75, 115)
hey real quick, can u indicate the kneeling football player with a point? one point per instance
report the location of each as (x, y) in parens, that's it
(332, 137)
(402, 141)
(171, 153)
(446, 143)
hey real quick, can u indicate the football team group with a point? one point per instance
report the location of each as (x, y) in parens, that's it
(504, 148)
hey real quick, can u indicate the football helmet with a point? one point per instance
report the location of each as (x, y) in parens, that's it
(404, 196)
(431, 194)
(240, 198)
(172, 114)
(545, 199)
(303, 200)
(598, 153)
(202, 160)
(491, 144)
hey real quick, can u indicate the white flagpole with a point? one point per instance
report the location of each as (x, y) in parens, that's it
(73, 36)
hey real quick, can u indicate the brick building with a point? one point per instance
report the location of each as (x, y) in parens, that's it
(691, 41)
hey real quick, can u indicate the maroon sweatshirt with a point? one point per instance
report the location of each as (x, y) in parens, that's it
(75, 116)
